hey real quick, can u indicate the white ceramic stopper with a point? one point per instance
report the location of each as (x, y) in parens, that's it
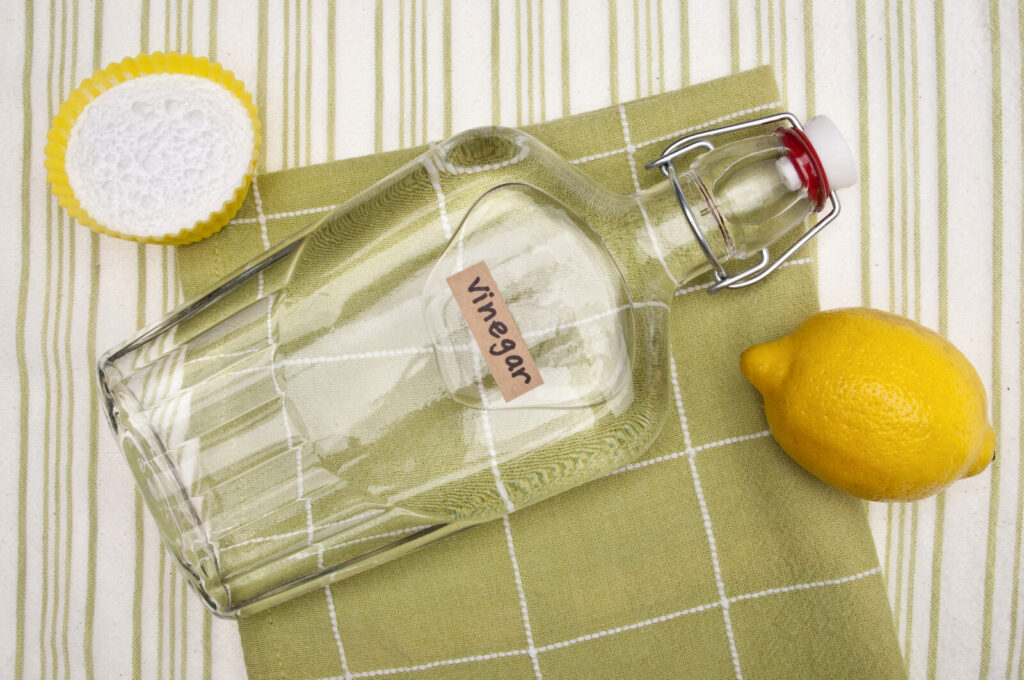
(833, 151)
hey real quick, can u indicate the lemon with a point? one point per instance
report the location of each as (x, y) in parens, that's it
(874, 404)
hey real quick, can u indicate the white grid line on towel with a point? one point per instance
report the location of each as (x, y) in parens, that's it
(611, 631)
(590, 319)
(403, 351)
(696, 449)
(434, 664)
(226, 355)
(632, 626)
(435, 182)
(300, 476)
(654, 240)
(272, 343)
(485, 419)
(264, 233)
(807, 586)
(333, 615)
(679, 133)
(531, 648)
(630, 148)
(714, 122)
(708, 529)
(285, 214)
(492, 451)
(485, 416)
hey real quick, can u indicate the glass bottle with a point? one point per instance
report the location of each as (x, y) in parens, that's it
(326, 407)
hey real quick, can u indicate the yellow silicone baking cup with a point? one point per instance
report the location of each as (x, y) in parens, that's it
(115, 74)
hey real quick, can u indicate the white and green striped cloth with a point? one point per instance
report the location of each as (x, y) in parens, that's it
(929, 93)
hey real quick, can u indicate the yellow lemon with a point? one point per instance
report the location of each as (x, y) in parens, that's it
(874, 404)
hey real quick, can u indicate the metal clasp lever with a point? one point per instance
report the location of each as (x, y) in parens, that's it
(701, 140)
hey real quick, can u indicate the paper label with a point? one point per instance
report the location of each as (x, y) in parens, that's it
(495, 331)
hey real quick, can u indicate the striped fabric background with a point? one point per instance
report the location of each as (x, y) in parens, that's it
(929, 93)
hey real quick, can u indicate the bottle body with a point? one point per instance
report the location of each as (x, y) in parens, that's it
(324, 409)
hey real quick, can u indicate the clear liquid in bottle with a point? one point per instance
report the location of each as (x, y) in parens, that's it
(326, 407)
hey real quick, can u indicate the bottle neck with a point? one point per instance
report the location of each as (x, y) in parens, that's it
(742, 197)
(668, 238)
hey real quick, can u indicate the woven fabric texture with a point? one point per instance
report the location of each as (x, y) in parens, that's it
(712, 555)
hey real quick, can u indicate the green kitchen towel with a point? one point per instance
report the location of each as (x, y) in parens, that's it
(715, 556)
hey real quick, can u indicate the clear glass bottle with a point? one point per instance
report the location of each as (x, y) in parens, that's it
(325, 408)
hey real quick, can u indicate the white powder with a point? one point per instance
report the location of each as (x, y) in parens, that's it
(159, 153)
